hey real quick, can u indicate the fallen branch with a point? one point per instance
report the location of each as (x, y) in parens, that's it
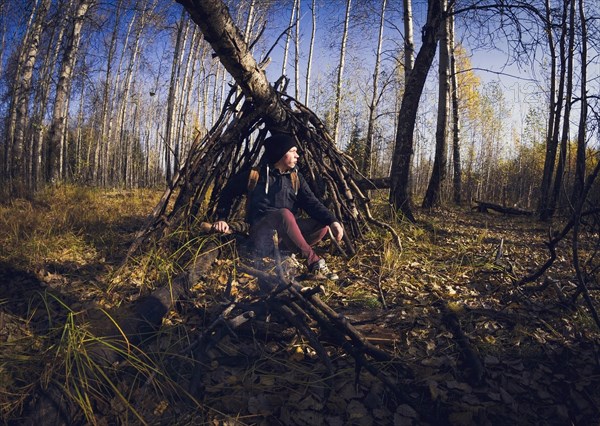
(484, 206)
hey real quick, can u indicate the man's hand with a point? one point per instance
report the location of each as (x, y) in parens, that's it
(337, 231)
(221, 226)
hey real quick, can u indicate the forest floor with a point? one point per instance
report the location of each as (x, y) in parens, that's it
(469, 346)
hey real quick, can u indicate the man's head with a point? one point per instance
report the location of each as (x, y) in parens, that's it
(281, 150)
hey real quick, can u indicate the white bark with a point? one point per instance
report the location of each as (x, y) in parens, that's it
(340, 74)
(367, 170)
(63, 89)
(409, 43)
(310, 52)
(287, 38)
(297, 53)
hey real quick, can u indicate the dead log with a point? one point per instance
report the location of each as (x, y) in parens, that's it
(484, 206)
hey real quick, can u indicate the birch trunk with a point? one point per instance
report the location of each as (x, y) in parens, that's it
(170, 160)
(562, 157)
(42, 98)
(249, 22)
(14, 103)
(367, 164)
(63, 89)
(409, 43)
(310, 52)
(582, 132)
(213, 19)
(555, 111)
(340, 74)
(288, 37)
(440, 162)
(186, 89)
(109, 174)
(21, 155)
(106, 91)
(456, 157)
(297, 53)
(125, 98)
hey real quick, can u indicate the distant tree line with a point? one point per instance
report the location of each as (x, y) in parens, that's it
(113, 94)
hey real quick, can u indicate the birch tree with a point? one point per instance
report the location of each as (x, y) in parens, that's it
(105, 98)
(340, 74)
(440, 162)
(583, 112)
(313, 31)
(22, 91)
(409, 43)
(367, 165)
(562, 155)
(43, 91)
(63, 90)
(288, 37)
(170, 160)
(456, 157)
(556, 96)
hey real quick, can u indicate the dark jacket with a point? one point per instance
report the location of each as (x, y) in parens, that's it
(279, 194)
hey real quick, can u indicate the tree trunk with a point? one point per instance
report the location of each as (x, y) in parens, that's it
(400, 197)
(440, 163)
(409, 43)
(457, 168)
(340, 74)
(213, 19)
(556, 101)
(582, 132)
(102, 142)
(288, 37)
(122, 120)
(562, 156)
(249, 21)
(63, 90)
(22, 94)
(313, 31)
(172, 97)
(42, 98)
(297, 53)
(367, 164)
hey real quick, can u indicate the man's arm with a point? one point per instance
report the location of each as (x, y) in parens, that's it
(315, 209)
(233, 189)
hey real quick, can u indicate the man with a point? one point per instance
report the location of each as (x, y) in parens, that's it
(280, 192)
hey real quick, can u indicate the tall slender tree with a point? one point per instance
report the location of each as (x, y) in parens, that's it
(583, 111)
(340, 75)
(564, 140)
(57, 130)
(21, 155)
(556, 94)
(367, 164)
(288, 37)
(400, 196)
(313, 31)
(409, 43)
(440, 162)
(456, 157)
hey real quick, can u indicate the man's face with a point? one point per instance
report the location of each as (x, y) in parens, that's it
(289, 160)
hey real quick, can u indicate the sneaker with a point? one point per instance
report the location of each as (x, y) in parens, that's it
(320, 270)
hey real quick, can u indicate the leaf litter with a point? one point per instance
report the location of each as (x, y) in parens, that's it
(539, 356)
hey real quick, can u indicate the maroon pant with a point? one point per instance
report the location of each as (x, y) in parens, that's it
(297, 235)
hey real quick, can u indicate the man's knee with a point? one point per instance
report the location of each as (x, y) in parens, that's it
(286, 215)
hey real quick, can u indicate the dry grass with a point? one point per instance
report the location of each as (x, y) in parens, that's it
(70, 241)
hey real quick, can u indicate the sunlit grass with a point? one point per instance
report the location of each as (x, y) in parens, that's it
(71, 224)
